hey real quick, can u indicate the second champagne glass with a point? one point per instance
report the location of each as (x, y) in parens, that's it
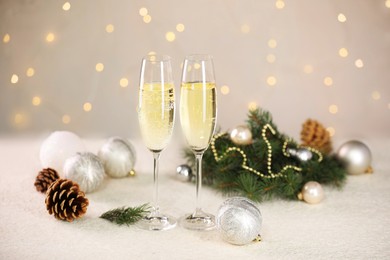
(156, 115)
(198, 113)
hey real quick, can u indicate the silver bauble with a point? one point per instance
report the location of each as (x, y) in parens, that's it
(118, 157)
(86, 169)
(356, 156)
(184, 173)
(302, 153)
(241, 135)
(239, 221)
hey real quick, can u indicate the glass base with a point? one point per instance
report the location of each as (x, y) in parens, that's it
(198, 221)
(157, 221)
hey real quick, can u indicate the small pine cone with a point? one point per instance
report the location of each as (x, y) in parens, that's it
(65, 200)
(315, 135)
(45, 178)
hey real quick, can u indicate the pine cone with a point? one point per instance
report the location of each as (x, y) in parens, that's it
(65, 200)
(45, 178)
(315, 135)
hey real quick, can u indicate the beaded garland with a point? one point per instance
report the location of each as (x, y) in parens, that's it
(244, 165)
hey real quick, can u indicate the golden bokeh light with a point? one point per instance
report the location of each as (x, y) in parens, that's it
(272, 43)
(341, 18)
(333, 109)
(387, 3)
(87, 106)
(99, 67)
(123, 82)
(147, 18)
(50, 37)
(36, 101)
(328, 81)
(143, 11)
(331, 131)
(279, 4)
(225, 90)
(271, 81)
(6, 38)
(170, 36)
(180, 27)
(376, 95)
(252, 105)
(66, 6)
(196, 66)
(343, 52)
(14, 79)
(66, 119)
(109, 28)
(359, 63)
(30, 72)
(308, 69)
(271, 58)
(19, 118)
(245, 28)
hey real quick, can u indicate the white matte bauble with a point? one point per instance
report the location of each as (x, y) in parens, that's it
(118, 157)
(86, 169)
(312, 192)
(239, 221)
(356, 155)
(241, 135)
(58, 147)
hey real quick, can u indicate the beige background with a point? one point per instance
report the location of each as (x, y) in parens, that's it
(307, 35)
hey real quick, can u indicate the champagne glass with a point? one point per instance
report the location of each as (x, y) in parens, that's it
(156, 116)
(198, 113)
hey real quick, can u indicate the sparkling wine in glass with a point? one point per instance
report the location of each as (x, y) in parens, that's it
(198, 113)
(156, 116)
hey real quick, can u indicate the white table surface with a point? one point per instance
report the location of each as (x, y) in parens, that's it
(352, 223)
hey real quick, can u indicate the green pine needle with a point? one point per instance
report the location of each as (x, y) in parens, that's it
(126, 216)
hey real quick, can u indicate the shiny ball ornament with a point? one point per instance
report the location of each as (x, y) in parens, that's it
(184, 173)
(118, 157)
(241, 135)
(86, 169)
(312, 192)
(239, 221)
(59, 146)
(356, 156)
(302, 154)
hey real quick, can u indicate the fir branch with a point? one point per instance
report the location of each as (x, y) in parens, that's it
(126, 216)
(228, 176)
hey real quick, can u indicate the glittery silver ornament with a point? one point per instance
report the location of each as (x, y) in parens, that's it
(239, 221)
(86, 169)
(241, 135)
(118, 157)
(312, 192)
(302, 153)
(356, 156)
(184, 173)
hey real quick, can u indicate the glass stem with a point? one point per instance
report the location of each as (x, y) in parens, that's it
(198, 157)
(156, 158)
